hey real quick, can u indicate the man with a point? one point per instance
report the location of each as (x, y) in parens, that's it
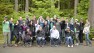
(54, 35)
(81, 31)
(6, 32)
(76, 30)
(63, 29)
(11, 28)
(40, 37)
(20, 27)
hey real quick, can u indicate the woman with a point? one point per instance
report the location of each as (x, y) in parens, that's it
(32, 29)
(17, 35)
(86, 31)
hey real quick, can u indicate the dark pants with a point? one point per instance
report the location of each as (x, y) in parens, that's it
(28, 41)
(54, 41)
(18, 38)
(62, 37)
(12, 36)
(47, 37)
(81, 36)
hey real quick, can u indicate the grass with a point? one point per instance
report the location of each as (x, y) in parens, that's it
(1, 39)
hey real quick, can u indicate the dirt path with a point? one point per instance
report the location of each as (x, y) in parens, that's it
(48, 49)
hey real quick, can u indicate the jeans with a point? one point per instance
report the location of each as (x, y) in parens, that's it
(88, 41)
(40, 41)
(7, 38)
(69, 40)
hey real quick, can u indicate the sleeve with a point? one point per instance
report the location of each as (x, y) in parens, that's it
(57, 34)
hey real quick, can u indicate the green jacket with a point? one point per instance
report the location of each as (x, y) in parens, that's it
(6, 27)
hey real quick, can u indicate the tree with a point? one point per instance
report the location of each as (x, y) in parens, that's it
(27, 6)
(75, 8)
(91, 13)
(16, 5)
(58, 4)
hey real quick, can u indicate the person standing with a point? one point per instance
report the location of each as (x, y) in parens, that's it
(17, 34)
(63, 29)
(11, 28)
(76, 30)
(81, 31)
(86, 31)
(6, 32)
(47, 31)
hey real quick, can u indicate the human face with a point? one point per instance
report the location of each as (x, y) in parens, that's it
(20, 18)
(11, 19)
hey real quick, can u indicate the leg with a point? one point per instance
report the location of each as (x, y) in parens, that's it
(77, 39)
(52, 41)
(39, 41)
(88, 40)
(71, 41)
(5, 38)
(9, 38)
(63, 36)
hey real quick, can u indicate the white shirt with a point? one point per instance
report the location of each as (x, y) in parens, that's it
(54, 33)
(36, 27)
(86, 30)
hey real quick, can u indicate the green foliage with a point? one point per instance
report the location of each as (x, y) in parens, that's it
(6, 8)
(91, 33)
(67, 13)
(45, 8)
(83, 9)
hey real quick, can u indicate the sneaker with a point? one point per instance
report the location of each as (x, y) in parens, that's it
(71, 45)
(16, 45)
(68, 45)
(77, 44)
(90, 45)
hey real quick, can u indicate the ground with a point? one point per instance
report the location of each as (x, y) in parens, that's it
(48, 49)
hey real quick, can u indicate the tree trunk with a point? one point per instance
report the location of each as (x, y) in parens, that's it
(91, 13)
(58, 4)
(16, 5)
(27, 6)
(75, 8)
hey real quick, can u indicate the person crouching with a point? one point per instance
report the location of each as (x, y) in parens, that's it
(68, 38)
(28, 38)
(40, 37)
(54, 36)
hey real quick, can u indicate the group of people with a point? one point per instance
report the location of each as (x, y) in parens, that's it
(53, 31)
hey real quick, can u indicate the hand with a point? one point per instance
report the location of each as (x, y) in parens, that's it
(4, 20)
(31, 37)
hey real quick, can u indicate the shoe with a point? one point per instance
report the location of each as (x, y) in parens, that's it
(90, 45)
(68, 45)
(77, 44)
(72, 46)
(16, 45)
